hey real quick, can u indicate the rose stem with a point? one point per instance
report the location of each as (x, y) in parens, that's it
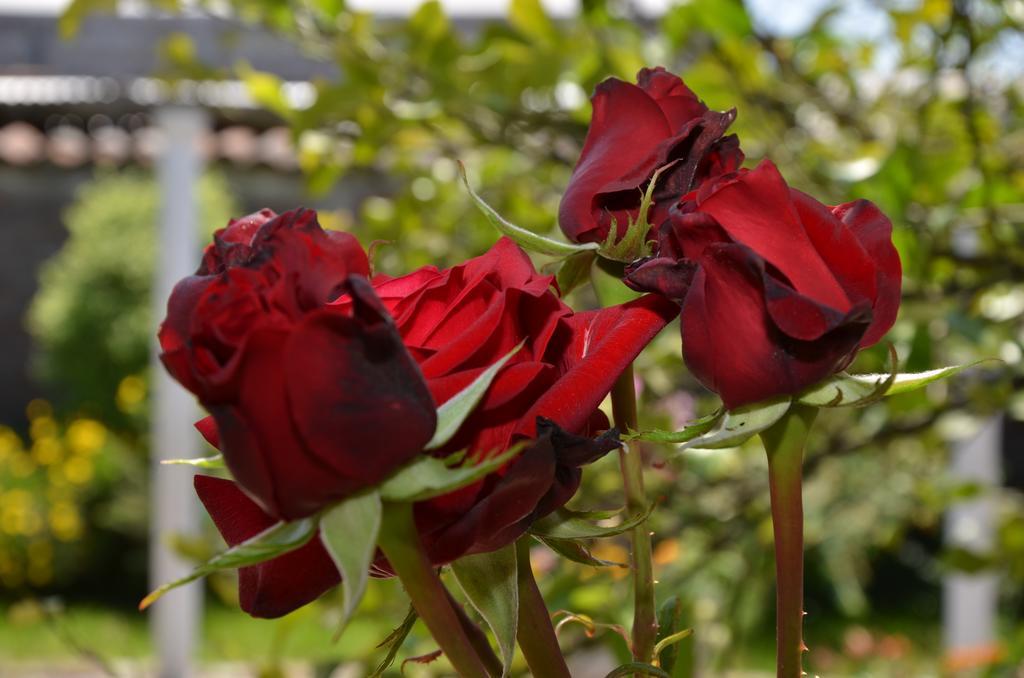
(645, 621)
(477, 638)
(400, 543)
(784, 442)
(535, 633)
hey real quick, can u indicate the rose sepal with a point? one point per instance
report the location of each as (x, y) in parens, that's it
(526, 239)
(853, 390)
(272, 542)
(633, 243)
(489, 581)
(454, 411)
(728, 428)
(349, 532)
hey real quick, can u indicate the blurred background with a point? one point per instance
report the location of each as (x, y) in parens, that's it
(121, 121)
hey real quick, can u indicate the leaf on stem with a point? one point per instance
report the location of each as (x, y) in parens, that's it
(394, 642)
(272, 542)
(490, 584)
(563, 524)
(523, 237)
(349, 532)
(577, 551)
(574, 271)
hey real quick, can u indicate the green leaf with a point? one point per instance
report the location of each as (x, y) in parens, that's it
(454, 411)
(265, 88)
(489, 582)
(526, 239)
(429, 477)
(698, 427)
(272, 542)
(576, 551)
(349, 533)
(216, 461)
(394, 642)
(737, 426)
(574, 271)
(844, 390)
(563, 524)
(637, 669)
(529, 17)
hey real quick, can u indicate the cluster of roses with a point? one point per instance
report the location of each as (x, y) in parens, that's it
(322, 379)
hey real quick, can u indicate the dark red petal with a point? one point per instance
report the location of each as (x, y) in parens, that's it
(839, 248)
(731, 345)
(756, 210)
(670, 278)
(259, 439)
(357, 398)
(874, 231)
(278, 586)
(626, 128)
(207, 428)
(602, 344)
(508, 503)
(676, 100)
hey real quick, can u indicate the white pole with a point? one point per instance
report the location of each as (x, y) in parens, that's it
(970, 601)
(176, 617)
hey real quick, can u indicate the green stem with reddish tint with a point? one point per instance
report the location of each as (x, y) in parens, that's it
(784, 442)
(401, 544)
(645, 620)
(534, 632)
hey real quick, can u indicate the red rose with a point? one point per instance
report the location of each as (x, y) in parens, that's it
(252, 335)
(634, 131)
(456, 323)
(778, 291)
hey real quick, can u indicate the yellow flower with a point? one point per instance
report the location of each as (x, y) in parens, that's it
(46, 451)
(86, 436)
(38, 408)
(130, 394)
(43, 428)
(78, 470)
(65, 523)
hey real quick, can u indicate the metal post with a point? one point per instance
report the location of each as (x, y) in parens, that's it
(970, 601)
(175, 618)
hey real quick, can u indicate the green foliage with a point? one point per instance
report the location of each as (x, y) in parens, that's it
(915, 118)
(92, 318)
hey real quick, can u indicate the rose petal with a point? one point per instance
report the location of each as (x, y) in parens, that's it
(275, 587)
(733, 348)
(874, 231)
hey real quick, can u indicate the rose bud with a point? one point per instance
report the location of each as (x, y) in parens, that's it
(312, 402)
(635, 131)
(456, 323)
(778, 291)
